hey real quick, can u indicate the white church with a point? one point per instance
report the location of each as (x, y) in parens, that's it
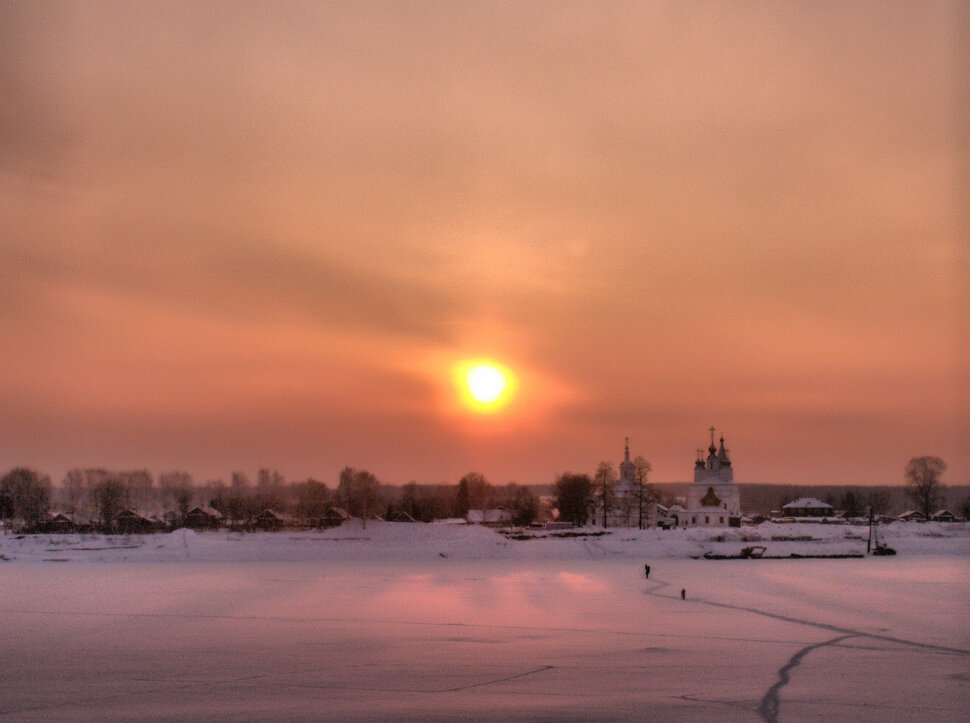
(713, 500)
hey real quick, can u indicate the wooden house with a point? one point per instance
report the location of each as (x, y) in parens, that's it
(203, 518)
(273, 520)
(129, 522)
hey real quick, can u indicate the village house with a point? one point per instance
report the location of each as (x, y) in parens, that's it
(129, 522)
(271, 520)
(808, 507)
(203, 518)
(62, 523)
(911, 516)
(496, 517)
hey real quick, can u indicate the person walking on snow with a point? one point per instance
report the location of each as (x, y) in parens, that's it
(646, 570)
(683, 594)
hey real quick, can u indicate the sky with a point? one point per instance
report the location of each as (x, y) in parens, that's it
(239, 235)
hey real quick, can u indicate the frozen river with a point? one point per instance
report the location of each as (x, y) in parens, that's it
(869, 639)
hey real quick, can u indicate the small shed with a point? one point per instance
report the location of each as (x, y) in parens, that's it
(912, 516)
(943, 516)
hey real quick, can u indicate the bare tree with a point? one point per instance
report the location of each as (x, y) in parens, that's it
(851, 504)
(313, 500)
(25, 495)
(425, 503)
(177, 492)
(474, 492)
(239, 507)
(574, 493)
(923, 482)
(642, 469)
(215, 493)
(77, 493)
(110, 495)
(878, 502)
(523, 505)
(358, 491)
(141, 489)
(604, 481)
(462, 498)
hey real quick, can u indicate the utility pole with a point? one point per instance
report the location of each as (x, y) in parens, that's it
(869, 541)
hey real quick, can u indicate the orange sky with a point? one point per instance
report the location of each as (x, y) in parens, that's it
(238, 235)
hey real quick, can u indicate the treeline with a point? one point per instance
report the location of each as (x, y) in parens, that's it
(853, 499)
(98, 495)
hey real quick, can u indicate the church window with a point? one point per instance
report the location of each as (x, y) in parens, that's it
(707, 520)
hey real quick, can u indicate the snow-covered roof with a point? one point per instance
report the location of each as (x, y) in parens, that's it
(206, 510)
(808, 503)
(71, 517)
(276, 515)
(497, 514)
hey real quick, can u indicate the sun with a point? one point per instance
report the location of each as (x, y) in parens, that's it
(485, 386)
(485, 383)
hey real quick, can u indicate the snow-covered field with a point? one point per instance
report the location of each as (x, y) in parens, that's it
(439, 622)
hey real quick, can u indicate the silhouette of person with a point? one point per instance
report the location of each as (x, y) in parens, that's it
(683, 594)
(646, 570)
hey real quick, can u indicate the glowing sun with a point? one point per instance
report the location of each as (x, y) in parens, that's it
(485, 383)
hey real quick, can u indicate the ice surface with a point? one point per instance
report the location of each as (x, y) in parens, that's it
(419, 622)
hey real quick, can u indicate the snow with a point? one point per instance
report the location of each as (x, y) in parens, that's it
(442, 622)
(415, 541)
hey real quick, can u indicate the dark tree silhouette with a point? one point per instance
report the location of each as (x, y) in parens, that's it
(523, 505)
(923, 482)
(24, 495)
(645, 495)
(313, 500)
(605, 481)
(357, 491)
(240, 507)
(574, 492)
(480, 492)
(851, 504)
(110, 496)
(463, 499)
(177, 491)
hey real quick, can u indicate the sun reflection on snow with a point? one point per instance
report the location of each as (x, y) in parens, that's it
(520, 598)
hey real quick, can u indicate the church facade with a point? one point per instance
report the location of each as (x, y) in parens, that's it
(713, 500)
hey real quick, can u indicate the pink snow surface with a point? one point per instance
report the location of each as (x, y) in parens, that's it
(433, 622)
